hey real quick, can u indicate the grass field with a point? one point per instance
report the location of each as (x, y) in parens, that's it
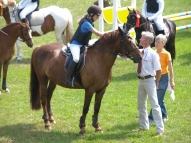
(118, 113)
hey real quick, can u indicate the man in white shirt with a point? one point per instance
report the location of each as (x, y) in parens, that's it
(149, 74)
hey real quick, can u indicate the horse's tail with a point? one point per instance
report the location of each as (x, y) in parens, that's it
(170, 45)
(34, 87)
(69, 28)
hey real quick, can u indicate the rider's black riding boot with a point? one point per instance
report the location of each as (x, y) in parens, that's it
(69, 77)
(161, 32)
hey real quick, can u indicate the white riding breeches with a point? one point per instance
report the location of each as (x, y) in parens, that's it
(158, 21)
(75, 50)
(28, 9)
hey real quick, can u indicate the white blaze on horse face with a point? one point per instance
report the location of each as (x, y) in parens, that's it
(30, 33)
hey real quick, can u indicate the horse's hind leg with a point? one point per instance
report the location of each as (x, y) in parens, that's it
(58, 34)
(87, 100)
(98, 99)
(51, 88)
(43, 90)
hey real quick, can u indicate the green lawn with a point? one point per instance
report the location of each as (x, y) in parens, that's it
(118, 113)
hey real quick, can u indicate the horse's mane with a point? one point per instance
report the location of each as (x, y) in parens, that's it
(10, 25)
(107, 38)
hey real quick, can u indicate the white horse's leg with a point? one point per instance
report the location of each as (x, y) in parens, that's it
(19, 50)
(64, 39)
(58, 34)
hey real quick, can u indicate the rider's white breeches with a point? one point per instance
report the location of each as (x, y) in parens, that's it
(75, 50)
(158, 21)
(28, 9)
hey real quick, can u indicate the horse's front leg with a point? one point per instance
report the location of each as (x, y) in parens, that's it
(19, 50)
(87, 100)
(98, 99)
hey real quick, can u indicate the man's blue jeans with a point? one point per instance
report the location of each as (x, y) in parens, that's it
(162, 87)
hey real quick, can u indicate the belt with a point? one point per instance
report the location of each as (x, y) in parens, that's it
(145, 77)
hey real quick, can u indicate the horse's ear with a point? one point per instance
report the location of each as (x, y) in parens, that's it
(121, 31)
(128, 9)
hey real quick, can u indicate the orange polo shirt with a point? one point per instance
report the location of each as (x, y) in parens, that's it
(164, 59)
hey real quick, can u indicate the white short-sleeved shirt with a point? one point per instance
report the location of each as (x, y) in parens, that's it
(150, 62)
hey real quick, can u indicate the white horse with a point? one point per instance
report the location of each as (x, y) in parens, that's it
(44, 20)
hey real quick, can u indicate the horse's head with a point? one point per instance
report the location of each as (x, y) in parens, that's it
(8, 2)
(128, 47)
(26, 34)
(133, 20)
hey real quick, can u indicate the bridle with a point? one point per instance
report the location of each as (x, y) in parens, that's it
(22, 31)
(133, 24)
(128, 54)
(13, 11)
(122, 42)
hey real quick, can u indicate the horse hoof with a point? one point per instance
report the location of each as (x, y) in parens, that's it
(6, 90)
(18, 58)
(48, 128)
(82, 131)
(99, 130)
(53, 121)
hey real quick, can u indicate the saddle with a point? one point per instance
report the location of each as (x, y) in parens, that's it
(35, 18)
(153, 28)
(69, 58)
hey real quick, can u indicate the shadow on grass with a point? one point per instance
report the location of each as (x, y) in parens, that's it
(22, 133)
(23, 61)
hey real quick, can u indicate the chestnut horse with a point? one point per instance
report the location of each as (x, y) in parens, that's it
(8, 37)
(47, 71)
(51, 18)
(137, 21)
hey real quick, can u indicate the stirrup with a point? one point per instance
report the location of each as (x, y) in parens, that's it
(71, 82)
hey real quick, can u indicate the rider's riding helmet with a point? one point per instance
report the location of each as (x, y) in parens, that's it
(94, 9)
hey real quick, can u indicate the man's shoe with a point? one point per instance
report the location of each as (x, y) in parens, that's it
(159, 134)
(139, 130)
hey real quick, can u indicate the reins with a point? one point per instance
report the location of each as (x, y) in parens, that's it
(128, 51)
(14, 9)
(4, 32)
(115, 53)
